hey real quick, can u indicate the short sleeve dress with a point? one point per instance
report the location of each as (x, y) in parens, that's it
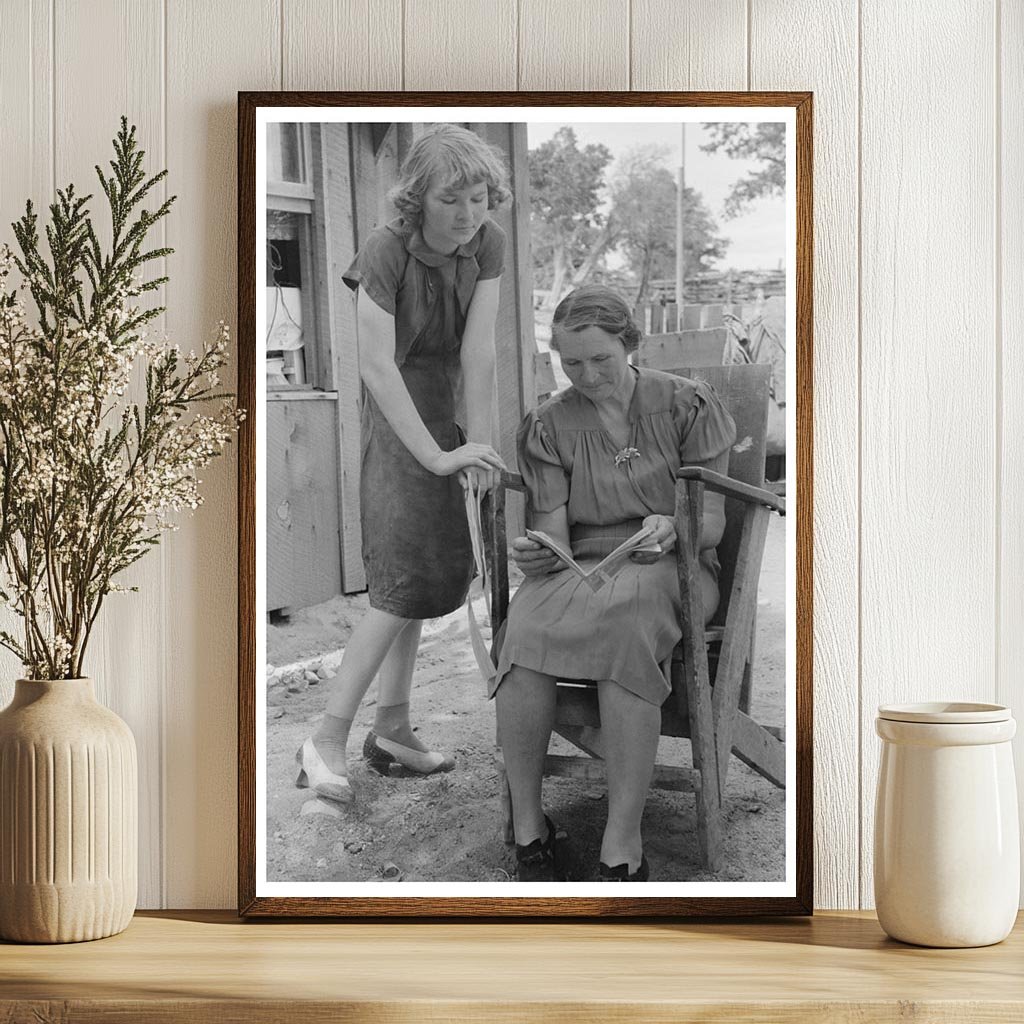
(416, 547)
(628, 628)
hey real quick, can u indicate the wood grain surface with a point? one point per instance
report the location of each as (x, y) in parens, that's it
(342, 44)
(212, 44)
(918, 161)
(701, 44)
(928, 521)
(333, 176)
(129, 671)
(1009, 313)
(204, 967)
(574, 44)
(558, 905)
(466, 45)
(832, 74)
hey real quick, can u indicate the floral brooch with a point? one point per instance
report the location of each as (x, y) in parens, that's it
(623, 455)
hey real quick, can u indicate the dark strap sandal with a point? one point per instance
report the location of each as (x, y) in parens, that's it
(620, 873)
(543, 860)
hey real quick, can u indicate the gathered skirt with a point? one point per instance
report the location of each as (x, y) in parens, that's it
(625, 632)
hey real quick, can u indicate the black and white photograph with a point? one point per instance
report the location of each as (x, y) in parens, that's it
(525, 479)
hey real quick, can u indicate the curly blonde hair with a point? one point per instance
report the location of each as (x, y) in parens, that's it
(457, 157)
(595, 305)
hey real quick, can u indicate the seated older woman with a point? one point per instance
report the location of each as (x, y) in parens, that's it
(600, 460)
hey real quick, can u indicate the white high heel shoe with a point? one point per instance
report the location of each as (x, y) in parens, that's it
(314, 774)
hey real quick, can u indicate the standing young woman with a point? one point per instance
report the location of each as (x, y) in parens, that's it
(428, 298)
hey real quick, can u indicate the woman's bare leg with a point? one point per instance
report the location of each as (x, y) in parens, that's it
(392, 718)
(525, 705)
(630, 727)
(365, 652)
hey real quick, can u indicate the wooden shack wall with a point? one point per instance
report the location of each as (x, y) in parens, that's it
(302, 506)
(333, 185)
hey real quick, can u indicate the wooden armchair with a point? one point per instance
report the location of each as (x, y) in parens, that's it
(712, 667)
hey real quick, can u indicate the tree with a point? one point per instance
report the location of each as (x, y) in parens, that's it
(565, 199)
(764, 141)
(644, 195)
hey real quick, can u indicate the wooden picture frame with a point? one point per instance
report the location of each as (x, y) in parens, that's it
(332, 182)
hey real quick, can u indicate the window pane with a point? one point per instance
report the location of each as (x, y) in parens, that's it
(284, 248)
(285, 158)
(286, 336)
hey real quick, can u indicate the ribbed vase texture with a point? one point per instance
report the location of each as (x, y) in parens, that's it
(68, 815)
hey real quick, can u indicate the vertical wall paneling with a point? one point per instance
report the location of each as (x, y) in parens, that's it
(930, 559)
(928, 516)
(213, 51)
(470, 44)
(26, 102)
(342, 44)
(26, 109)
(574, 44)
(125, 651)
(333, 180)
(700, 44)
(829, 69)
(1010, 217)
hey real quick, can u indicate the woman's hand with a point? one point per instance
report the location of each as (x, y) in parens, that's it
(471, 455)
(664, 535)
(534, 559)
(482, 480)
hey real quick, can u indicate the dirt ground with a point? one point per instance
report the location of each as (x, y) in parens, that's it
(447, 827)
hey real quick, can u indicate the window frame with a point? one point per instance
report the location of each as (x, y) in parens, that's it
(300, 198)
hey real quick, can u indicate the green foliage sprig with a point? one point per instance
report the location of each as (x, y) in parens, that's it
(89, 478)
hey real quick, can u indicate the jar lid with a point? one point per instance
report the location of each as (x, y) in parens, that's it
(945, 712)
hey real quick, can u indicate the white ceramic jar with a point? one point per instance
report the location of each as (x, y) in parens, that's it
(947, 847)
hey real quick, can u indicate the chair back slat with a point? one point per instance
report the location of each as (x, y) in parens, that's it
(682, 348)
(744, 392)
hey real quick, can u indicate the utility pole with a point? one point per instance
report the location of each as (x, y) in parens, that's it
(680, 257)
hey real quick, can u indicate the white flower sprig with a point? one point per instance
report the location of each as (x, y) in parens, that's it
(89, 478)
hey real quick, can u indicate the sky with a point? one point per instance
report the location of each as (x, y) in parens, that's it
(757, 238)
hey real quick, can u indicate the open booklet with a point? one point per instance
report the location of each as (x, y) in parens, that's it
(600, 574)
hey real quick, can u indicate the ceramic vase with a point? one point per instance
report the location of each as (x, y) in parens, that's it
(68, 815)
(947, 847)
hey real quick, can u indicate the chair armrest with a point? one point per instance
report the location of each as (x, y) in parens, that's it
(733, 488)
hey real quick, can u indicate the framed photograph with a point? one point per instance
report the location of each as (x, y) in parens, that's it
(525, 504)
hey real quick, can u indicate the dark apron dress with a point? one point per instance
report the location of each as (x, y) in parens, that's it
(416, 547)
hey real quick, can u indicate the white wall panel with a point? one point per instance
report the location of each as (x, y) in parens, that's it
(928, 522)
(26, 106)
(689, 44)
(26, 170)
(460, 44)
(342, 44)
(127, 665)
(213, 51)
(829, 69)
(919, 489)
(1010, 371)
(574, 44)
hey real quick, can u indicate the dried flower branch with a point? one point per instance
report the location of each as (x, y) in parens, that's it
(89, 478)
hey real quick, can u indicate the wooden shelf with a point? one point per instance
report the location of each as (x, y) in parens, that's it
(208, 966)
